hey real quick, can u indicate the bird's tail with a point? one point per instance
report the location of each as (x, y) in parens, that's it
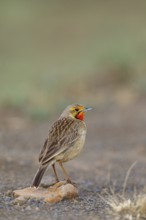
(38, 176)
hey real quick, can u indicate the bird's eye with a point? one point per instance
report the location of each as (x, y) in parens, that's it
(76, 109)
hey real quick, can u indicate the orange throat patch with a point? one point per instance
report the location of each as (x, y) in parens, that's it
(80, 116)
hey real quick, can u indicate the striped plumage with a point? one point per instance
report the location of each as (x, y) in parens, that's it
(65, 141)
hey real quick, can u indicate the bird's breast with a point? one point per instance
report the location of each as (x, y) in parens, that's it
(74, 150)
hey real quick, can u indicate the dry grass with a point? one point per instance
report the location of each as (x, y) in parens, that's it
(126, 208)
(121, 206)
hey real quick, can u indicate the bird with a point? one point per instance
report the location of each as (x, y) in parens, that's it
(65, 141)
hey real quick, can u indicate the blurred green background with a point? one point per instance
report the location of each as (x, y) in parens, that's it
(54, 53)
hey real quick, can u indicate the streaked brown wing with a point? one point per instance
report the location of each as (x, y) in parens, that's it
(43, 150)
(58, 143)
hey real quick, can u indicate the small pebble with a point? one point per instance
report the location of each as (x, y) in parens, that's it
(28, 208)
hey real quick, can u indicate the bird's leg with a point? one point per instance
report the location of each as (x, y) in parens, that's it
(54, 169)
(65, 173)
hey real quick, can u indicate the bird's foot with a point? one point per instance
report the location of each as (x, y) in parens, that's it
(71, 182)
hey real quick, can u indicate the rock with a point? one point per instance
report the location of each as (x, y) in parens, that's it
(53, 194)
(20, 200)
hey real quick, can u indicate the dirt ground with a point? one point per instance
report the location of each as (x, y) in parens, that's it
(116, 138)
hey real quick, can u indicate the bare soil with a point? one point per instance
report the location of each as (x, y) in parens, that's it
(116, 138)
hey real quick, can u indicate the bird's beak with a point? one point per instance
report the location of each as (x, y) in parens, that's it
(87, 109)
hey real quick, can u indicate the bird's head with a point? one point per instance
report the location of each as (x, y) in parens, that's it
(76, 111)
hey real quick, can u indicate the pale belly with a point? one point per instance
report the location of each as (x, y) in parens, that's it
(74, 150)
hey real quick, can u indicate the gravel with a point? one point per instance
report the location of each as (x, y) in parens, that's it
(116, 139)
